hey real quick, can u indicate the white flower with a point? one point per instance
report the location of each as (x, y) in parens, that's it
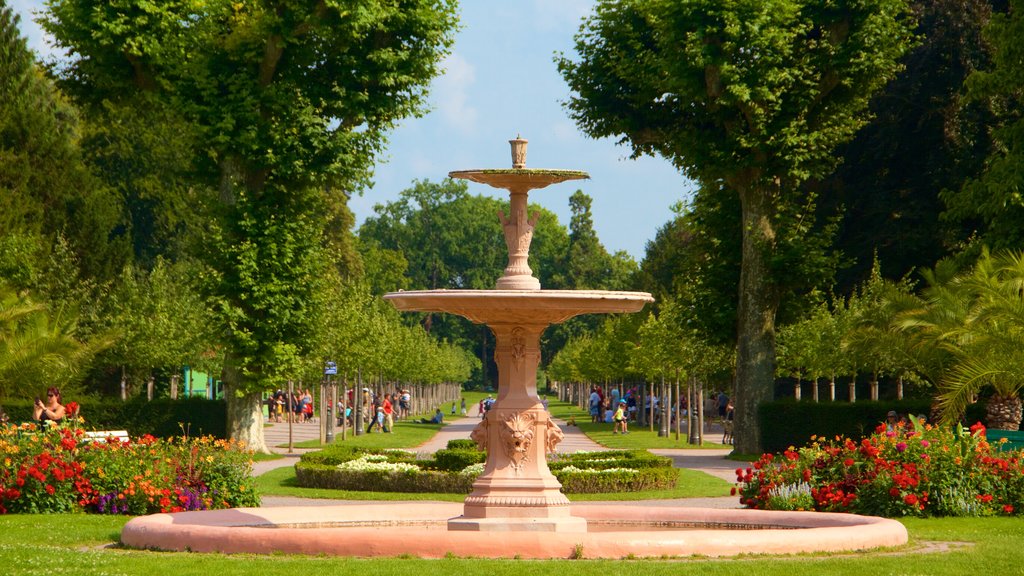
(366, 464)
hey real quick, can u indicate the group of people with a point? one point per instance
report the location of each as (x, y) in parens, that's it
(292, 407)
(605, 406)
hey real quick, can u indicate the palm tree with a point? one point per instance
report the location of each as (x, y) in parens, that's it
(37, 349)
(973, 326)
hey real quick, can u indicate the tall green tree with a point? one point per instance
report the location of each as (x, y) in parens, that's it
(991, 203)
(46, 190)
(747, 97)
(291, 103)
(925, 137)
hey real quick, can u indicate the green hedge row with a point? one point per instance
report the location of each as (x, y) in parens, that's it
(627, 480)
(310, 475)
(161, 417)
(635, 459)
(786, 423)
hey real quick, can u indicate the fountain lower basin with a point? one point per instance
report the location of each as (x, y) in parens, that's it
(418, 529)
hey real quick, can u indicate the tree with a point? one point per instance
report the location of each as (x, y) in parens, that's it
(290, 104)
(161, 319)
(47, 194)
(40, 347)
(748, 98)
(992, 201)
(924, 137)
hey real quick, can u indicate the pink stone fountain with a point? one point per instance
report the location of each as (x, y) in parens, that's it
(516, 490)
(516, 495)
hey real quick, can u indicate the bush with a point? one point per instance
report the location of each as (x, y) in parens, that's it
(457, 460)
(461, 444)
(382, 479)
(914, 470)
(53, 470)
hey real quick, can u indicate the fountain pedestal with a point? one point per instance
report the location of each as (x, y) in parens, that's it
(517, 491)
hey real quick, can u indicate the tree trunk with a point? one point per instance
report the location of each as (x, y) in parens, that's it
(755, 330)
(1003, 412)
(245, 411)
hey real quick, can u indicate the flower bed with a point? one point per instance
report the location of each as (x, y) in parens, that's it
(52, 470)
(914, 470)
(399, 471)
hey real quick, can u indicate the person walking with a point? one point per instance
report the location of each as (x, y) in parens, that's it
(619, 419)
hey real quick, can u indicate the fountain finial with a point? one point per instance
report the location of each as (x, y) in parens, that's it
(518, 151)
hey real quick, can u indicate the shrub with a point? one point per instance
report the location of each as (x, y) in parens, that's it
(461, 444)
(53, 470)
(914, 470)
(450, 460)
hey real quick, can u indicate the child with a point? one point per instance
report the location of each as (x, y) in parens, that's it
(619, 419)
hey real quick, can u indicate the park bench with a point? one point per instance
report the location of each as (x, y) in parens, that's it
(105, 435)
(1014, 439)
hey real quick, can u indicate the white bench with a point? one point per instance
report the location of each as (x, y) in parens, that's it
(104, 435)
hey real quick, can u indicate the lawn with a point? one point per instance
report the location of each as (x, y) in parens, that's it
(49, 545)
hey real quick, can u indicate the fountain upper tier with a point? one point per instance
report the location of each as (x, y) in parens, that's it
(519, 179)
(518, 225)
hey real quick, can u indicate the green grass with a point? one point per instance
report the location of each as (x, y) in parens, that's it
(639, 437)
(51, 545)
(692, 484)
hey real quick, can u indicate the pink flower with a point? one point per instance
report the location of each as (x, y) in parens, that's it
(925, 443)
(901, 446)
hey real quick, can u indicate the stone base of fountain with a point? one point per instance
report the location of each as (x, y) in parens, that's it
(419, 529)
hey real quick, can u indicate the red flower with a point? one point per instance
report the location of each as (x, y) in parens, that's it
(978, 429)
(910, 499)
(1008, 509)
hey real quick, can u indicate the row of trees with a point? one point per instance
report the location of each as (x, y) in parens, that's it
(759, 102)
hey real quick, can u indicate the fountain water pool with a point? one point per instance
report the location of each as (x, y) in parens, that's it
(516, 496)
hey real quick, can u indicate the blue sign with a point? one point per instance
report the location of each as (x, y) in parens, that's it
(331, 369)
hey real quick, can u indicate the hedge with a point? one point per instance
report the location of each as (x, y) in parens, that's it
(310, 475)
(161, 417)
(786, 423)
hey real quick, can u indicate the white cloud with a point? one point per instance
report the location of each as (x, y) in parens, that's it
(451, 94)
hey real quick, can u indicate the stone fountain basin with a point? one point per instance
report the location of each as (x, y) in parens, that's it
(418, 529)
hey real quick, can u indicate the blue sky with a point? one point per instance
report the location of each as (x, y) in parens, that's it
(500, 81)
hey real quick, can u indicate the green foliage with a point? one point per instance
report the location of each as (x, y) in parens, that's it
(457, 459)
(993, 196)
(46, 191)
(161, 319)
(39, 348)
(923, 141)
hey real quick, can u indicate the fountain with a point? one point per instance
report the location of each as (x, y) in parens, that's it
(516, 490)
(516, 495)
